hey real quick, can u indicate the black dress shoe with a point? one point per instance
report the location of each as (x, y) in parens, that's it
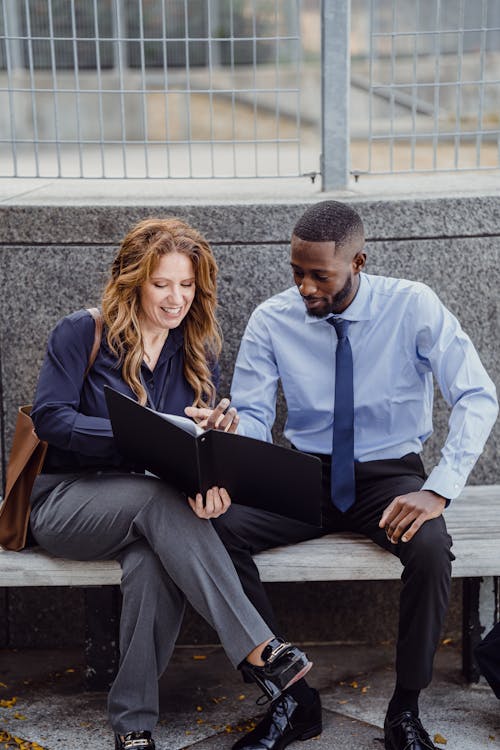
(405, 732)
(285, 721)
(134, 741)
(284, 664)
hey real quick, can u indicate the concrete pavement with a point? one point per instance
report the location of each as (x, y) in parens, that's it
(204, 704)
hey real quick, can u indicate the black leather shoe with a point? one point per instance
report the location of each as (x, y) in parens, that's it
(405, 732)
(284, 664)
(285, 721)
(134, 741)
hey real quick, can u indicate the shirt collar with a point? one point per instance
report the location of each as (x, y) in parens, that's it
(359, 309)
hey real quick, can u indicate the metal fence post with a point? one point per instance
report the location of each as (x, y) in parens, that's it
(335, 90)
(13, 34)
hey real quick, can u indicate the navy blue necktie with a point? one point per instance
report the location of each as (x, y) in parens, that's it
(343, 486)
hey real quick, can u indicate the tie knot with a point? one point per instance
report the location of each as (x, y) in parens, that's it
(340, 326)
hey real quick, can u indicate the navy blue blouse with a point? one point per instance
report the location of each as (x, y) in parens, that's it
(70, 412)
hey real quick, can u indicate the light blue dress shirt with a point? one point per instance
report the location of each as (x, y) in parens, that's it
(401, 335)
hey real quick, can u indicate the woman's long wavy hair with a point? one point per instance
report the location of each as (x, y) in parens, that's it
(135, 262)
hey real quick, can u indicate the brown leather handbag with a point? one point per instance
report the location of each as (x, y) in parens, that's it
(25, 463)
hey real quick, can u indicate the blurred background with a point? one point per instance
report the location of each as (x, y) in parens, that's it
(248, 88)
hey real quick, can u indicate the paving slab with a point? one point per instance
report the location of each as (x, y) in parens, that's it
(204, 704)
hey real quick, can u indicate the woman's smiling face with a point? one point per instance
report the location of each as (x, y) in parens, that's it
(169, 292)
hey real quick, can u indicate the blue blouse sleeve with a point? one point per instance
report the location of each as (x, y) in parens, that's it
(55, 412)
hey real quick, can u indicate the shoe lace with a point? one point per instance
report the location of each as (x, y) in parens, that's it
(416, 733)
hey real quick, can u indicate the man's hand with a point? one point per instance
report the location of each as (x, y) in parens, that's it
(220, 418)
(406, 514)
(216, 503)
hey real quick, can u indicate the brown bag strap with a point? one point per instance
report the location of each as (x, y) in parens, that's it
(96, 314)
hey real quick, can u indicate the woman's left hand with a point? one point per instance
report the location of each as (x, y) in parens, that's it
(217, 502)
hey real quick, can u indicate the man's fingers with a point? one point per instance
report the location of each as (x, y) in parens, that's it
(396, 529)
(410, 533)
(389, 513)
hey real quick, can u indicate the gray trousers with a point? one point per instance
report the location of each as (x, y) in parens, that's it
(168, 555)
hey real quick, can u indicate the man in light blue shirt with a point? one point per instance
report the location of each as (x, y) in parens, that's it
(383, 340)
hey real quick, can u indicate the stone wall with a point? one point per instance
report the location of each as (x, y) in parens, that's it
(54, 259)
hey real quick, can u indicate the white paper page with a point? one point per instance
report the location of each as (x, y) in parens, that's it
(186, 424)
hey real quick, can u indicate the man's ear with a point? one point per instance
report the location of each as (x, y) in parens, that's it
(358, 262)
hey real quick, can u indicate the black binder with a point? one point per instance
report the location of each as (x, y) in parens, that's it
(254, 472)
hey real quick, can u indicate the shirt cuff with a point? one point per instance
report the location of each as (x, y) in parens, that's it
(449, 484)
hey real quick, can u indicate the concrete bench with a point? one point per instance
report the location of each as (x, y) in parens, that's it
(473, 520)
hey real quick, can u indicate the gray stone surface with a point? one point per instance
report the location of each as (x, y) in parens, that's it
(56, 244)
(204, 704)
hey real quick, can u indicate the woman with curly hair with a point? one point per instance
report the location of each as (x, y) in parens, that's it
(160, 346)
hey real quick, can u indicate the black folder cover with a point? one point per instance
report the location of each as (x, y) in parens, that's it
(254, 472)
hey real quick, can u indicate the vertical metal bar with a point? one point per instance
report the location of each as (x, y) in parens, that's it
(144, 89)
(299, 68)
(370, 84)
(55, 92)
(77, 86)
(188, 87)
(214, 18)
(165, 82)
(277, 85)
(13, 61)
(437, 84)
(480, 114)
(212, 22)
(99, 88)
(458, 87)
(120, 57)
(392, 107)
(415, 86)
(13, 33)
(233, 79)
(335, 85)
(255, 106)
(34, 110)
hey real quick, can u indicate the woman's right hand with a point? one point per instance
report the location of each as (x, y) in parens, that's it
(216, 503)
(219, 418)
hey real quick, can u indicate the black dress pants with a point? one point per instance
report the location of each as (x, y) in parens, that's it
(426, 558)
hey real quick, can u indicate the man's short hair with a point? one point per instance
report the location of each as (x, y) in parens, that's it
(329, 221)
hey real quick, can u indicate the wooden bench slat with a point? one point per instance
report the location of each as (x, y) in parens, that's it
(473, 521)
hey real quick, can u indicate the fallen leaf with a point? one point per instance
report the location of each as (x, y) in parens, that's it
(199, 657)
(440, 739)
(19, 716)
(241, 697)
(199, 708)
(353, 684)
(446, 641)
(8, 702)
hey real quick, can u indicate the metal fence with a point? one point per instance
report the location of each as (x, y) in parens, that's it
(248, 88)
